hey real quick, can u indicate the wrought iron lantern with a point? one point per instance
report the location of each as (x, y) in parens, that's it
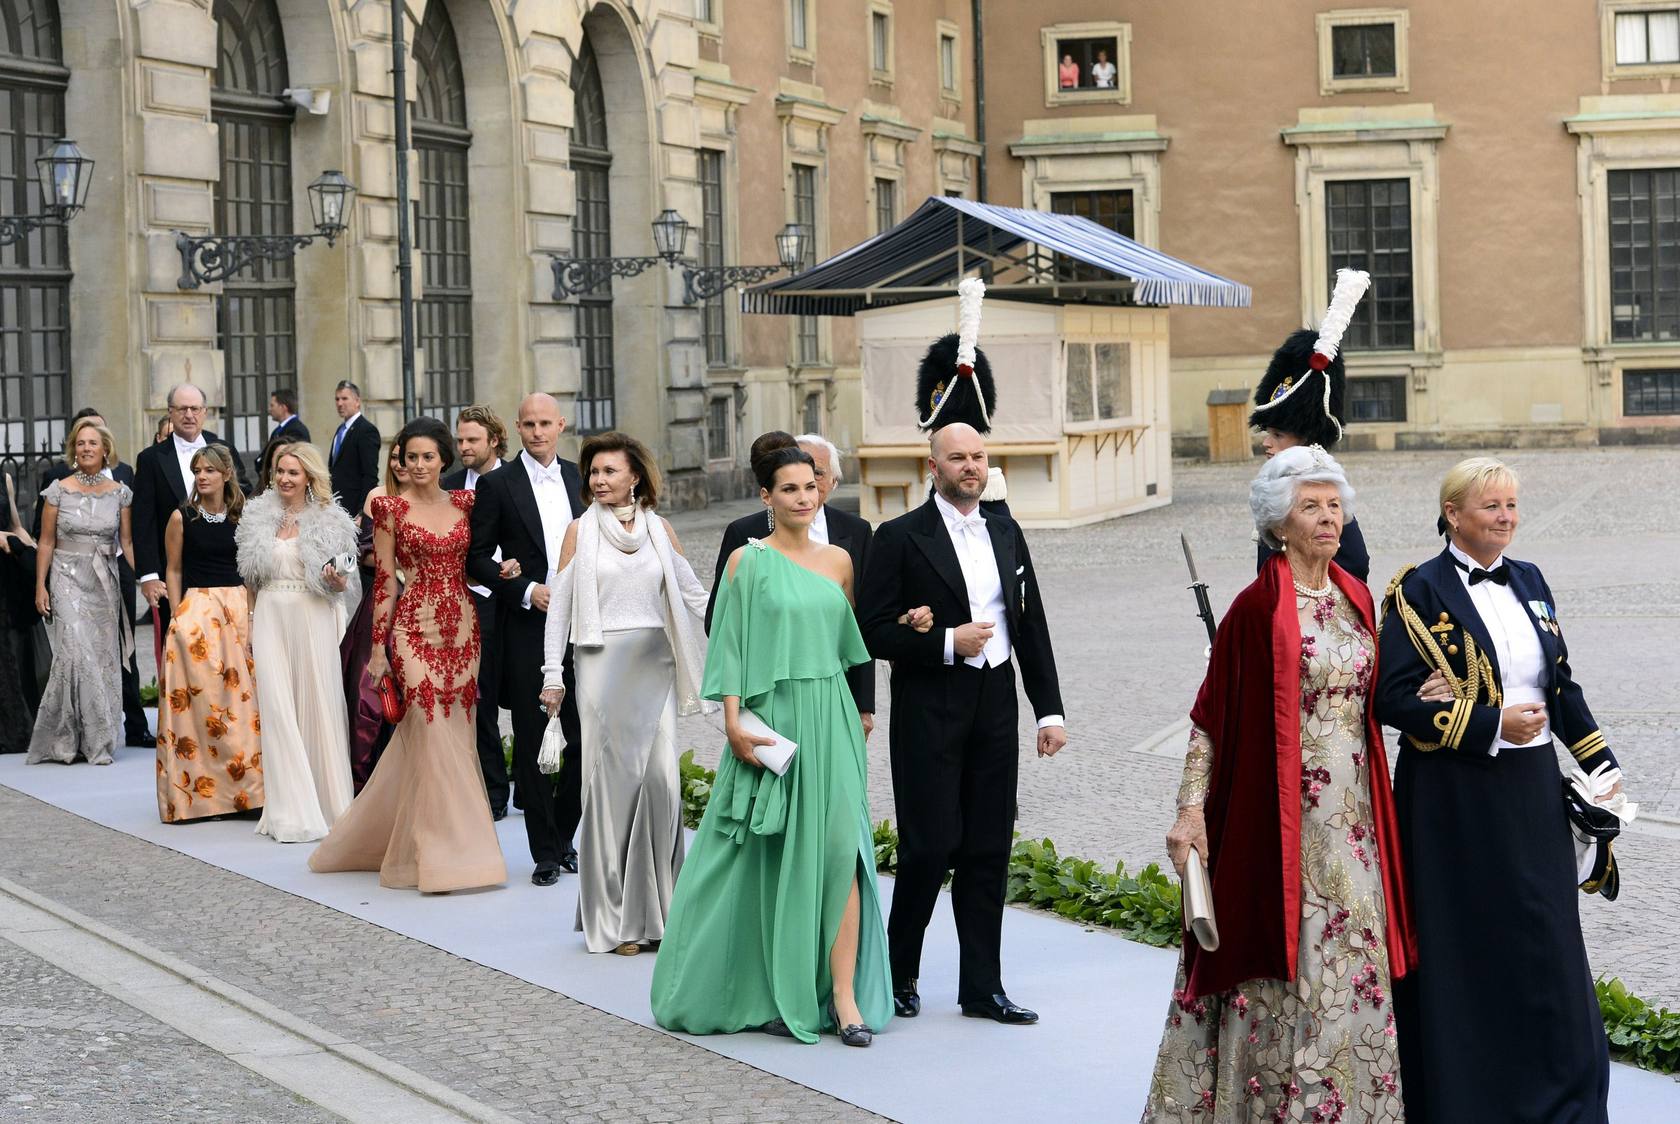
(704, 282)
(576, 276)
(207, 258)
(64, 174)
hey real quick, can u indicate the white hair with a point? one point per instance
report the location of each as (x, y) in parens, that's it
(1272, 495)
(822, 442)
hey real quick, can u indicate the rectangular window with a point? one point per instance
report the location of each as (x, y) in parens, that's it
(886, 205)
(705, 11)
(799, 33)
(1377, 399)
(1650, 393)
(1644, 38)
(948, 63)
(880, 41)
(1099, 381)
(719, 428)
(1369, 226)
(813, 413)
(1111, 209)
(713, 321)
(1645, 254)
(1364, 50)
(805, 214)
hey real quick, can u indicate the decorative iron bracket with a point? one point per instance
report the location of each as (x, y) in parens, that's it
(208, 258)
(705, 282)
(575, 276)
(16, 229)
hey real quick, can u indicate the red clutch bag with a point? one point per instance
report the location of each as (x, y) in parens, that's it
(390, 699)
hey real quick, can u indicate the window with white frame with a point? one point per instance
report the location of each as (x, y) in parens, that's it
(705, 11)
(1099, 382)
(801, 31)
(720, 427)
(880, 41)
(1363, 49)
(949, 75)
(886, 204)
(813, 419)
(1087, 62)
(1647, 37)
(807, 328)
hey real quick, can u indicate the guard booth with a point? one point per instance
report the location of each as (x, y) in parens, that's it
(1075, 325)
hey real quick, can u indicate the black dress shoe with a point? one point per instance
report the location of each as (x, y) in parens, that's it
(852, 1034)
(141, 741)
(498, 813)
(998, 1008)
(907, 1004)
(568, 861)
(777, 1027)
(546, 874)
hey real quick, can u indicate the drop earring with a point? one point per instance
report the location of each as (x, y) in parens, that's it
(309, 494)
(771, 512)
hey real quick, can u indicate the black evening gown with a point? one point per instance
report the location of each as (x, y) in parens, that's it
(1498, 1022)
(20, 689)
(1352, 556)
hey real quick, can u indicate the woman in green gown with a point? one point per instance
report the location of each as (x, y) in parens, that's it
(775, 922)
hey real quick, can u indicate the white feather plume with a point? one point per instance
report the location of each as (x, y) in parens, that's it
(970, 292)
(1350, 286)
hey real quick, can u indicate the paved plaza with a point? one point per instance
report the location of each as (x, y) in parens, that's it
(1603, 524)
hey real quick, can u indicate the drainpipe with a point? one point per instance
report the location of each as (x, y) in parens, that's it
(979, 20)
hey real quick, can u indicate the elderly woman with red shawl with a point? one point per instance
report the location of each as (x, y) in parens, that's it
(1286, 800)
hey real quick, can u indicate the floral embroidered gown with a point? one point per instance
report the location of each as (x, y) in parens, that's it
(423, 820)
(1320, 1047)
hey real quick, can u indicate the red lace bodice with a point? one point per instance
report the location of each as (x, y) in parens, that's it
(435, 618)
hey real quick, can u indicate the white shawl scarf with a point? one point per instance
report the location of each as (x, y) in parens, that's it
(574, 608)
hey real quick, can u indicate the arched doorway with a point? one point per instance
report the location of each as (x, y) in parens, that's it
(443, 140)
(256, 313)
(34, 271)
(592, 238)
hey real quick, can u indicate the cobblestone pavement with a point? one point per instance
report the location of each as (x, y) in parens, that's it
(1604, 524)
(72, 1054)
(514, 1046)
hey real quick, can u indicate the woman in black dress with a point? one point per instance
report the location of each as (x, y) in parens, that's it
(17, 620)
(1498, 1022)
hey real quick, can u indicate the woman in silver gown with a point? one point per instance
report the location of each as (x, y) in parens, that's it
(631, 604)
(83, 523)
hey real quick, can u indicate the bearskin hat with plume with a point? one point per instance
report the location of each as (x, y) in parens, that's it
(937, 379)
(1302, 391)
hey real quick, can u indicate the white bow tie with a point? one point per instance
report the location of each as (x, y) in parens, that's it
(973, 521)
(198, 443)
(552, 472)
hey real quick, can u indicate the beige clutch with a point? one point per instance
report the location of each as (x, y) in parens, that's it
(1198, 904)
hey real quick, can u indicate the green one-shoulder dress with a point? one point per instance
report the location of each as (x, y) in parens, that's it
(758, 903)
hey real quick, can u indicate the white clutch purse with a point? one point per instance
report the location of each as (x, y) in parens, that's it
(775, 757)
(1198, 904)
(553, 745)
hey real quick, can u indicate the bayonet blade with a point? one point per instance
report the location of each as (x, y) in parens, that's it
(1189, 559)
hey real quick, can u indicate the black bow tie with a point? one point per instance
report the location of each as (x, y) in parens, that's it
(1500, 575)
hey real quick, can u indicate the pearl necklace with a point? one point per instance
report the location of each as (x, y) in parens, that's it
(1308, 591)
(89, 480)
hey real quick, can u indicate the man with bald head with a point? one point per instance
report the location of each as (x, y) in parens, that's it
(523, 510)
(954, 712)
(162, 482)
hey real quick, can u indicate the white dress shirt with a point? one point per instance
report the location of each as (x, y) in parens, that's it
(555, 508)
(1516, 646)
(184, 451)
(819, 526)
(973, 543)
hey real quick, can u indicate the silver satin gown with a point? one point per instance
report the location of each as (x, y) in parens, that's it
(630, 844)
(81, 709)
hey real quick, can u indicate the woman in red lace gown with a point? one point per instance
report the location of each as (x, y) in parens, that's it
(423, 820)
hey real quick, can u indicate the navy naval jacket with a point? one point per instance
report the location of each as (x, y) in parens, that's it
(1429, 622)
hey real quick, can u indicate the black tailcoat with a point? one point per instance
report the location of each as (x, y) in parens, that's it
(846, 531)
(506, 516)
(355, 470)
(953, 738)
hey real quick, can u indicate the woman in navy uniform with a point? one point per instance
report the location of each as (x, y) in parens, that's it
(1498, 1022)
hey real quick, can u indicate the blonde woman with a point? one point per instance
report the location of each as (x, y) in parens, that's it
(209, 758)
(297, 556)
(84, 519)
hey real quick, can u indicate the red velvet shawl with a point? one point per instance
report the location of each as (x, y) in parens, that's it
(1250, 706)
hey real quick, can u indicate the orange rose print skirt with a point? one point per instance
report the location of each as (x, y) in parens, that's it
(209, 755)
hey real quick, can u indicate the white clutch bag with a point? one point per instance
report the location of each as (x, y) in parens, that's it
(775, 757)
(553, 744)
(1198, 904)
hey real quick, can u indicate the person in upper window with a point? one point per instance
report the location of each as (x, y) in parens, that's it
(1103, 72)
(1475, 675)
(1067, 75)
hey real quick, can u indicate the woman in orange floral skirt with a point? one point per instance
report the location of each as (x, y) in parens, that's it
(209, 753)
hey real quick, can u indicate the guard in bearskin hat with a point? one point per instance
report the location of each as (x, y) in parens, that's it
(1299, 401)
(954, 384)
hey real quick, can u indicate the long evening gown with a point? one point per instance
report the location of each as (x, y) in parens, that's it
(81, 711)
(1320, 1047)
(423, 820)
(758, 904)
(209, 750)
(305, 740)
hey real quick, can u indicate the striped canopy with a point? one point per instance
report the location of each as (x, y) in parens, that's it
(927, 253)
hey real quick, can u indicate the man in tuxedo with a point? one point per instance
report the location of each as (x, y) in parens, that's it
(162, 482)
(135, 730)
(953, 739)
(831, 526)
(481, 443)
(523, 509)
(283, 411)
(353, 459)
